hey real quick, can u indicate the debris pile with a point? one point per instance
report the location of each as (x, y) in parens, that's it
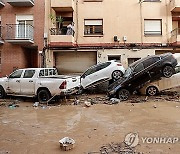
(117, 148)
(66, 143)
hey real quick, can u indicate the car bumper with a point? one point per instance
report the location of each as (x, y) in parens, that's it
(71, 91)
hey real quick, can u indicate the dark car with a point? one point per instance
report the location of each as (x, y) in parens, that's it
(138, 73)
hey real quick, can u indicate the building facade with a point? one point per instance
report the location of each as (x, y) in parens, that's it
(109, 29)
(21, 34)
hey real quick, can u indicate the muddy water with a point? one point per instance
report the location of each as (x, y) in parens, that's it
(29, 130)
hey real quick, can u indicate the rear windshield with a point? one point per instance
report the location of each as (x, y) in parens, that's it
(48, 72)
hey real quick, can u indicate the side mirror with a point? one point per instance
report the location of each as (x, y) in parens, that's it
(83, 76)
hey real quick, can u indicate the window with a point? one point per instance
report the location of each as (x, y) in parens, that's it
(16, 74)
(152, 27)
(93, 27)
(132, 60)
(102, 66)
(29, 73)
(139, 68)
(24, 26)
(115, 57)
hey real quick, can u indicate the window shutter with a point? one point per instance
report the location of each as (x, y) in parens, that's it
(93, 22)
(152, 26)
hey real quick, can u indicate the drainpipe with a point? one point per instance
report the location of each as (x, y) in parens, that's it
(77, 22)
(141, 20)
(167, 24)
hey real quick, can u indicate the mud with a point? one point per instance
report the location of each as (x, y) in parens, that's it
(37, 130)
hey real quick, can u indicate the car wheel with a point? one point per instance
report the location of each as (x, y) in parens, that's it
(43, 96)
(117, 74)
(167, 71)
(151, 91)
(2, 92)
(123, 94)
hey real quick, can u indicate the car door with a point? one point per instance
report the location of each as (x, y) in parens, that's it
(152, 66)
(28, 83)
(95, 75)
(86, 78)
(14, 86)
(140, 76)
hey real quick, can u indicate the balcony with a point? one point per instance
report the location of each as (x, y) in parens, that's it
(2, 4)
(22, 3)
(1, 36)
(61, 36)
(20, 34)
(175, 36)
(175, 5)
(62, 5)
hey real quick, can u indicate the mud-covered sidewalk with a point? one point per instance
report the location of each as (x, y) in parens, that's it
(31, 130)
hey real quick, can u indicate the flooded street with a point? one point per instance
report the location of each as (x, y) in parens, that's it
(31, 130)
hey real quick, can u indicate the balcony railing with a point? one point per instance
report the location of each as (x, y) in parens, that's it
(21, 32)
(62, 31)
(2, 3)
(21, 2)
(175, 35)
(63, 36)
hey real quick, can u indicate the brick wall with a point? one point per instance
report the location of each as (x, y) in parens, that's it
(17, 55)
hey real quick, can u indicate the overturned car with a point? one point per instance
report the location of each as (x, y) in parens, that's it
(142, 71)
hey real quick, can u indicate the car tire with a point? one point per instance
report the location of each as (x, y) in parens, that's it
(43, 96)
(151, 91)
(116, 74)
(2, 92)
(123, 94)
(167, 71)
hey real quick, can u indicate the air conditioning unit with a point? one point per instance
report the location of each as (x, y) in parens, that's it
(124, 38)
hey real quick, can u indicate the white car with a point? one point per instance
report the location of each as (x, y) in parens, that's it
(153, 88)
(100, 73)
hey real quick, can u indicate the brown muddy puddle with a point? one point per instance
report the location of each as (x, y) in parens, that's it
(37, 130)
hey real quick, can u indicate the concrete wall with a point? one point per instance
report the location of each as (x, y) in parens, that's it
(102, 55)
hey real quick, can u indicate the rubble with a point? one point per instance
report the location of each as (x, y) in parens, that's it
(115, 100)
(36, 104)
(117, 148)
(66, 143)
(87, 104)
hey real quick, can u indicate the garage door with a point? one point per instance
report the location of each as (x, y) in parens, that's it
(74, 62)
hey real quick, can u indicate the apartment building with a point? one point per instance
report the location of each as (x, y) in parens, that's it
(21, 34)
(125, 30)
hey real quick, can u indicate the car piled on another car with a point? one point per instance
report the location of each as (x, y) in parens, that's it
(142, 71)
(153, 88)
(110, 70)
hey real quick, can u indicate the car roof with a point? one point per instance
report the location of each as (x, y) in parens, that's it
(145, 58)
(35, 68)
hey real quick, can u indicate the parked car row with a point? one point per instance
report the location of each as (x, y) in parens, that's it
(143, 75)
